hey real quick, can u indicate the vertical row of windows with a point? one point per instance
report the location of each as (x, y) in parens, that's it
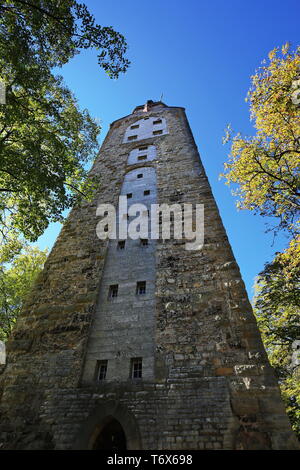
(136, 369)
(136, 363)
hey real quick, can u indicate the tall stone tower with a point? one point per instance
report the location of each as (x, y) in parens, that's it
(140, 343)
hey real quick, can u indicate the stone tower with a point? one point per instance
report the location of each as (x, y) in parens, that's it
(141, 344)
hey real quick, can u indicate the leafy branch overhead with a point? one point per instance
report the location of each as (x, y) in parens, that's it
(45, 139)
(56, 31)
(266, 167)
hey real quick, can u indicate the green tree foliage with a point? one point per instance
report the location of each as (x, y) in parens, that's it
(266, 167)
(45, 139)
(54, 32)
(277, 309)
(265, 170)
(16, 280)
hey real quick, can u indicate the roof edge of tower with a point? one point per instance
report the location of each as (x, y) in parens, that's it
(149, 104)
(141, 108)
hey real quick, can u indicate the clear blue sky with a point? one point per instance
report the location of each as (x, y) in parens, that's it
(200, 55)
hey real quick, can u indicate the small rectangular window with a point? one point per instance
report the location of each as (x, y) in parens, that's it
(158, 121)
(132, 137)
(136, 368)
(121, 245)
(140, 175)
(141, 287)
(146, 192)
(101, 370)
(142, 157)
(135, 126)
(157, 132)
(144, 147)
(144, 241)
(113, 291)
(129, 195)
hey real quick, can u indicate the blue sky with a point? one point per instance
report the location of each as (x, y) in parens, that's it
(200, 55)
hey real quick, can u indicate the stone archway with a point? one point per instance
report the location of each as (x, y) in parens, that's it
(110, 425)
(111, 436)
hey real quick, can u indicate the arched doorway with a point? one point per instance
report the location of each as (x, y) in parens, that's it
(110, 424)
(111, 437)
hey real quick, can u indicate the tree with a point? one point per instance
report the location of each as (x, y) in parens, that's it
(54, 32)
(45, 139)
(16, 280)
(266, 167)
(277, 309)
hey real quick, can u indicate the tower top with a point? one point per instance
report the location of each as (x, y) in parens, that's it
(148, 106)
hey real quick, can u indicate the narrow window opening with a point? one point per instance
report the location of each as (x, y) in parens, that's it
(144, 242)
(132, 137)
(140, 175)
(146, 192)
(121, 245)
(144, 147)
(101, 370)
(113, 291)
(141, 288)
(142, 157)
(135, 126)
(157, 132)
(136, 368)
(129, 195)
(158, 121)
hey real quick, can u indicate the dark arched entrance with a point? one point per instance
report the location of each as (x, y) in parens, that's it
(109, 424)
(111, 437)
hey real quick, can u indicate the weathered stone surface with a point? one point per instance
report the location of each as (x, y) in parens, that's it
(207, 383)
